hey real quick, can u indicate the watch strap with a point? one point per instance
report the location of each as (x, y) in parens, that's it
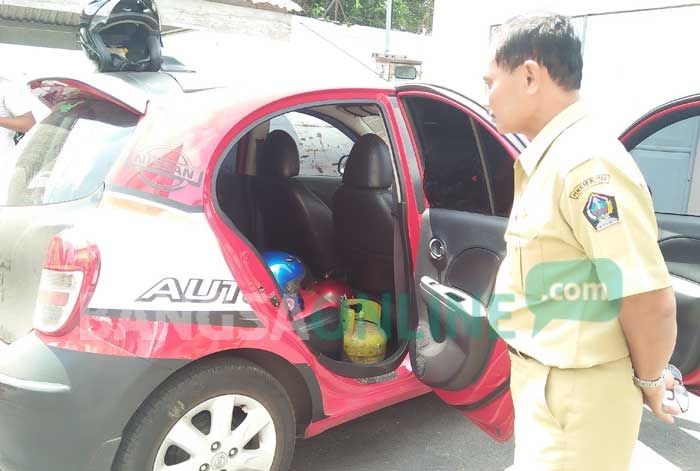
(647, 384)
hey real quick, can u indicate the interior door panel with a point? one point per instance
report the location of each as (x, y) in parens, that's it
(463, 251)
(466, 168)
(679, 239)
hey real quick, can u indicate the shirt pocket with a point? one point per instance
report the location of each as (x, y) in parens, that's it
(525, 253)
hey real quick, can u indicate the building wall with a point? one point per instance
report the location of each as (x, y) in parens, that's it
(315, 49)
(633, 60)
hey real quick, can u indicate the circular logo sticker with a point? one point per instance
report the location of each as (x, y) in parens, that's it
(166, 169)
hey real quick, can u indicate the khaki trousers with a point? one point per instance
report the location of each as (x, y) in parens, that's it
(574, 419)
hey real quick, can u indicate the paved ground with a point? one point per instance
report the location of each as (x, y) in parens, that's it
(426, 435)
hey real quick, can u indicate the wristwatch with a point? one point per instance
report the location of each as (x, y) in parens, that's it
(643, 383)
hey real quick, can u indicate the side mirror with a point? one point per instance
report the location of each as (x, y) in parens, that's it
(406, 72)
(342, 163)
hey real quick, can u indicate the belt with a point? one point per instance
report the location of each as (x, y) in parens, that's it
(517, 352)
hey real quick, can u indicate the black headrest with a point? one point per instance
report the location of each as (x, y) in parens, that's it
(280, 156)
(369, 164)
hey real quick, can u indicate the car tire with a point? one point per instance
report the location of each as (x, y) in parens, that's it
(174, 403)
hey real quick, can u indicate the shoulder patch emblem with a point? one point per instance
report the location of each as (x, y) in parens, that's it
(587, 183)
(601, 211)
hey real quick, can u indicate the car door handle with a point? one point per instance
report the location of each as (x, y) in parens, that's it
(437, 248)
(454, 300)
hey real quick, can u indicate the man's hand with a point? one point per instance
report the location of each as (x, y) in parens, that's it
(654, 398)
(649, 323)
(22, 123)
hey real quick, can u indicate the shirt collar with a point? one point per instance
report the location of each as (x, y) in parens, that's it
(531, 156)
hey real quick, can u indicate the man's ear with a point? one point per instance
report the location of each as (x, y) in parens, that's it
(533, 74)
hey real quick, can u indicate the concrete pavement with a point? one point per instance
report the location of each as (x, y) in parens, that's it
(425, 434)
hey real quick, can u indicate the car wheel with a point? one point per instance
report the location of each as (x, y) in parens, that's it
(223, 414)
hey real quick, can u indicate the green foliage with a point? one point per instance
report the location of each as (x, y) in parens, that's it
(408, 15)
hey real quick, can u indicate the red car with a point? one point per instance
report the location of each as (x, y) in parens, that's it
(144, 329)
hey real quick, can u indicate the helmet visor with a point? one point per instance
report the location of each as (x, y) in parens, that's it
(102, 10)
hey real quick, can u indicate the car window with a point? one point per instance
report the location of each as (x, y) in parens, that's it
(68, 155)
(668, 160)
(453, 172)
(500, 167)
(321, 145)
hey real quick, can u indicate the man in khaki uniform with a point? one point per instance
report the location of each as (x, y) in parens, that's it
(583, 296)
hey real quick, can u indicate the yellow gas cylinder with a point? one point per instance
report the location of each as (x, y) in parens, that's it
(364, 341)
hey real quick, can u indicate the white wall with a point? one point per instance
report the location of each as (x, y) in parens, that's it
(311, 49)
(632, 61)
(318, 49)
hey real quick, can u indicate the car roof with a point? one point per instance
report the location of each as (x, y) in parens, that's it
(136, 89)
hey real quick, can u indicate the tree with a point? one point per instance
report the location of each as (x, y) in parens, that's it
(408, 15)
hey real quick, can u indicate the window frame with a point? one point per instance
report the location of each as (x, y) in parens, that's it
(336, 124)
(657, 120)
(399, 179)
(475, 120)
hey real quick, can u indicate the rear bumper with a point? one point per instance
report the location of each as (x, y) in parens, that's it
(64, 410)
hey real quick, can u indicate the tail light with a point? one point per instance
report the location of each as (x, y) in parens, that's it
(68, 280)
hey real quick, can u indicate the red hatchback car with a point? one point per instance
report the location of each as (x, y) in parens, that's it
(144, 329)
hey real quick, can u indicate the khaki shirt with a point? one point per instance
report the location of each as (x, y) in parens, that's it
(581, 236)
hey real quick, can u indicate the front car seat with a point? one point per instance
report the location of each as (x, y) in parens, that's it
(294, 219)
(362, 217)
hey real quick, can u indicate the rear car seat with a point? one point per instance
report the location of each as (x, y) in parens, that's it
(362, 215)
(293, 219)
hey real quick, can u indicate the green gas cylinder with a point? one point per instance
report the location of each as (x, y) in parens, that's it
(364, 341)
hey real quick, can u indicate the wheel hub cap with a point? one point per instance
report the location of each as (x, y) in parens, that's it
(230, 432)
(219, 462)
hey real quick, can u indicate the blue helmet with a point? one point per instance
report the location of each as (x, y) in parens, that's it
(289, 272)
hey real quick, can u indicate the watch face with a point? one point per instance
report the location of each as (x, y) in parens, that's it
(675, 372)
(679, 394)
(682, 397)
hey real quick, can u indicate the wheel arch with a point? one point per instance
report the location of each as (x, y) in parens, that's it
(298, 380)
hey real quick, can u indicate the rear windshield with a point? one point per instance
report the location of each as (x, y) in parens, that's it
(67, 156)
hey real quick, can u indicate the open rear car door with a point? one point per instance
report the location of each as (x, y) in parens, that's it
(467, 176)
(664, 143)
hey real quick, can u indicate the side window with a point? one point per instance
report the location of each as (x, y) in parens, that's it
(321, 145)
(668, 160)
(68, 155)
(453, 172)
(500, 168)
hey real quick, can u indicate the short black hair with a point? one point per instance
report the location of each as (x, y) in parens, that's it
(548, 40)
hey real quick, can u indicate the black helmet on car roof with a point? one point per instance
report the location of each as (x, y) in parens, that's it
(122, 35)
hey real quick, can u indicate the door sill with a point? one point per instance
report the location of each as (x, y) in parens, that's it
(366, 373)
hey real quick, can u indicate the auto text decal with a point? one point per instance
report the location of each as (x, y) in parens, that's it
(194, 301)
(196, 290)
